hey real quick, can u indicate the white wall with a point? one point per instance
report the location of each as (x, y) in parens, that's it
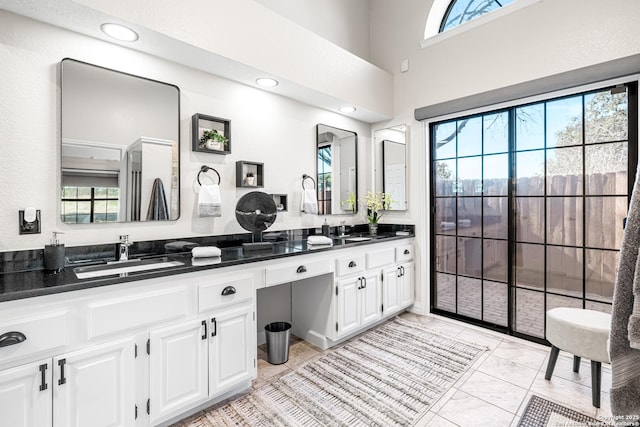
(265, 128)
(345, 23)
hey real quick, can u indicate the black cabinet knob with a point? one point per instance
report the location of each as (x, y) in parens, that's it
(229, 290)
(301, 269)
(352, 264)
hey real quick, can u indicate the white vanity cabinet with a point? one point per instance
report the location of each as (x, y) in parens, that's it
(93, 386)
(357, 303)
(25, 395)
(397, 287)
(194, 361)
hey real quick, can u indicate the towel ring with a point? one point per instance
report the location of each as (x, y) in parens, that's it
(205, 169)
(305, 177)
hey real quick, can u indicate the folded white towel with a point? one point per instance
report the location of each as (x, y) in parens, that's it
(205, 252)
(209, 201)
(319, 240)
(309, 201)
(197, 262)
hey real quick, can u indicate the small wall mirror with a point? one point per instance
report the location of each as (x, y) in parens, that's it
(391, 167)
(120, 146)
(337, 170)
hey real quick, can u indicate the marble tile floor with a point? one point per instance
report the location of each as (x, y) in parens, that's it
(495, 390)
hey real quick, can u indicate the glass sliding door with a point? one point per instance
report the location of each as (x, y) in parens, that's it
(528, 205)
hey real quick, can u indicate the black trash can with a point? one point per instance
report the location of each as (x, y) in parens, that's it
(277, 334)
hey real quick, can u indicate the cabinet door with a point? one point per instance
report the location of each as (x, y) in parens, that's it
(370, 299)
(25, 395)
(232, 348)
(391, 290)
(347, 306)
(95, 386)
(406, 284)
(178, 368)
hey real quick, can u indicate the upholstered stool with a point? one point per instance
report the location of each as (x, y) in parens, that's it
(583, 333)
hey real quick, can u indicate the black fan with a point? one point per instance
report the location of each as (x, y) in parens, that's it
(255, 212)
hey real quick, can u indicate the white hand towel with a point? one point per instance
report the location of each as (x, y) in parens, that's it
(198, 262)
(319, 240)
(209, 201)
(205, 252)
(309, 201)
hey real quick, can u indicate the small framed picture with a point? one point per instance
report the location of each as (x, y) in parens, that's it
(210, 134)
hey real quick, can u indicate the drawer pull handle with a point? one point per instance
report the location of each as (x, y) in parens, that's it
(301, 269)
(229, 290)
(62, 379)
(215, 327)
(407, 252)
(43, 377)
(204, 323)
(11, 338)
(352, 264)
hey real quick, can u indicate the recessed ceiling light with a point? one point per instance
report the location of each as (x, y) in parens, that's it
(266, 82)
(347, 109)
(119, 32)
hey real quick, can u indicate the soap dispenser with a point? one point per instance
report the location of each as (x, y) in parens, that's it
(325, 228)
(54, 255)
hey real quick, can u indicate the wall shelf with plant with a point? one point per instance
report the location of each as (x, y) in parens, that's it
(210, 134)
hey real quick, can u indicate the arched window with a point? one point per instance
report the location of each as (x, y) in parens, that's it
(461, 11)
(446, 15)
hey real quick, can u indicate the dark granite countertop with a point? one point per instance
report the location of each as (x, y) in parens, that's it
(37, 282)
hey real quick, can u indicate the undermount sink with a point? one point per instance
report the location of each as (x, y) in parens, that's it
(357, 239)
(122, 267)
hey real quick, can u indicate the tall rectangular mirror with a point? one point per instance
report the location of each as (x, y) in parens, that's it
(391, 166)
(120, 146)
(337, 170)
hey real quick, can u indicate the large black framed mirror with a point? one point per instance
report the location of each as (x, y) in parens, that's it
(337, 170)
(120, 151)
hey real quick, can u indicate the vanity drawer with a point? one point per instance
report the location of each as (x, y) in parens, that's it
(404, 253)
(292, 272)
(349, 265)
(135, 311)
(41, 332)
(380, 258)
(213, 295)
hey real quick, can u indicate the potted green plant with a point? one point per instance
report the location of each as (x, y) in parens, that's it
(213, 140)
(375, 205)
(250, 178)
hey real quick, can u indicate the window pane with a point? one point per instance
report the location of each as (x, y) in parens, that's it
(529, 313)
(529, 173)
(445, 181)
(529, 265)
(604, 217)
(530, 219)
(564, 122)
(84, 192)
(564, 221)
(446, 254)
(564, 171)
(606, 168)
(564, 270)
(445, 140)
(496, 133)
(69, 192)
(495, 302)
(470, 176)
(495, 258)
(496, 217)
(530, 127)
(555, 301)
(469, 216)
(446, 215)
(495, 175)
(601, 274)
(113, 193)
(470, 297)
(446, 292)
(470, 257)
(470, 136)
(462, 11)
(606, 117)
(598, 306)
(100, 192)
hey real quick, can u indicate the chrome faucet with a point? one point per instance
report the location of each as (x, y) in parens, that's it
(124, 247)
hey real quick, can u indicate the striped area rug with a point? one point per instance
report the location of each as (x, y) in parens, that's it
(389, 376)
